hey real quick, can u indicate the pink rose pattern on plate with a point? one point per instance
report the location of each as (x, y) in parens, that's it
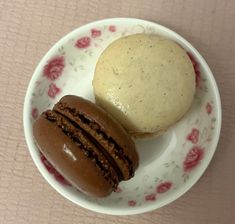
(83, 42)
(209, 108)
(95, 33)
(193, 158)
(150, 197)
(160, 189)
(132, 203)
(164, 187)
(53, 90)
(34, 113)
(193, 136)
(112, 28)
(54, 68)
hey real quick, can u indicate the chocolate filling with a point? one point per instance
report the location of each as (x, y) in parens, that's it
(108, 145)
(84, 143)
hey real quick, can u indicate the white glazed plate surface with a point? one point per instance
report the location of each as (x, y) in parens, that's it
(170, 164)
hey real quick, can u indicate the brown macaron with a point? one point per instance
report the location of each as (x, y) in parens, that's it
(86, 145)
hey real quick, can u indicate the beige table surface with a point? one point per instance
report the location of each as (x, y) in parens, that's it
(29, 28)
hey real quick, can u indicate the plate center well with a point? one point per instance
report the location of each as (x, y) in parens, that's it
(151, 149)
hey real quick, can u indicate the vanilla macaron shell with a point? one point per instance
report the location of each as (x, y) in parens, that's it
(147, 82)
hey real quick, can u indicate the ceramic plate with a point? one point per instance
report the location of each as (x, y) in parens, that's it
(170, 164)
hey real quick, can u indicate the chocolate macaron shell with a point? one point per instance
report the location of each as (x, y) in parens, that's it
(69, 159)
(81, 138)
(117, 139)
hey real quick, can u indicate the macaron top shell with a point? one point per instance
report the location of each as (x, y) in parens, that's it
(147, 82)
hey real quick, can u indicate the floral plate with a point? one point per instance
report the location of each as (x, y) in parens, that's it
(170, 164)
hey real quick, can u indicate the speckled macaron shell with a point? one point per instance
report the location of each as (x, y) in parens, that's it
(147, 82)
